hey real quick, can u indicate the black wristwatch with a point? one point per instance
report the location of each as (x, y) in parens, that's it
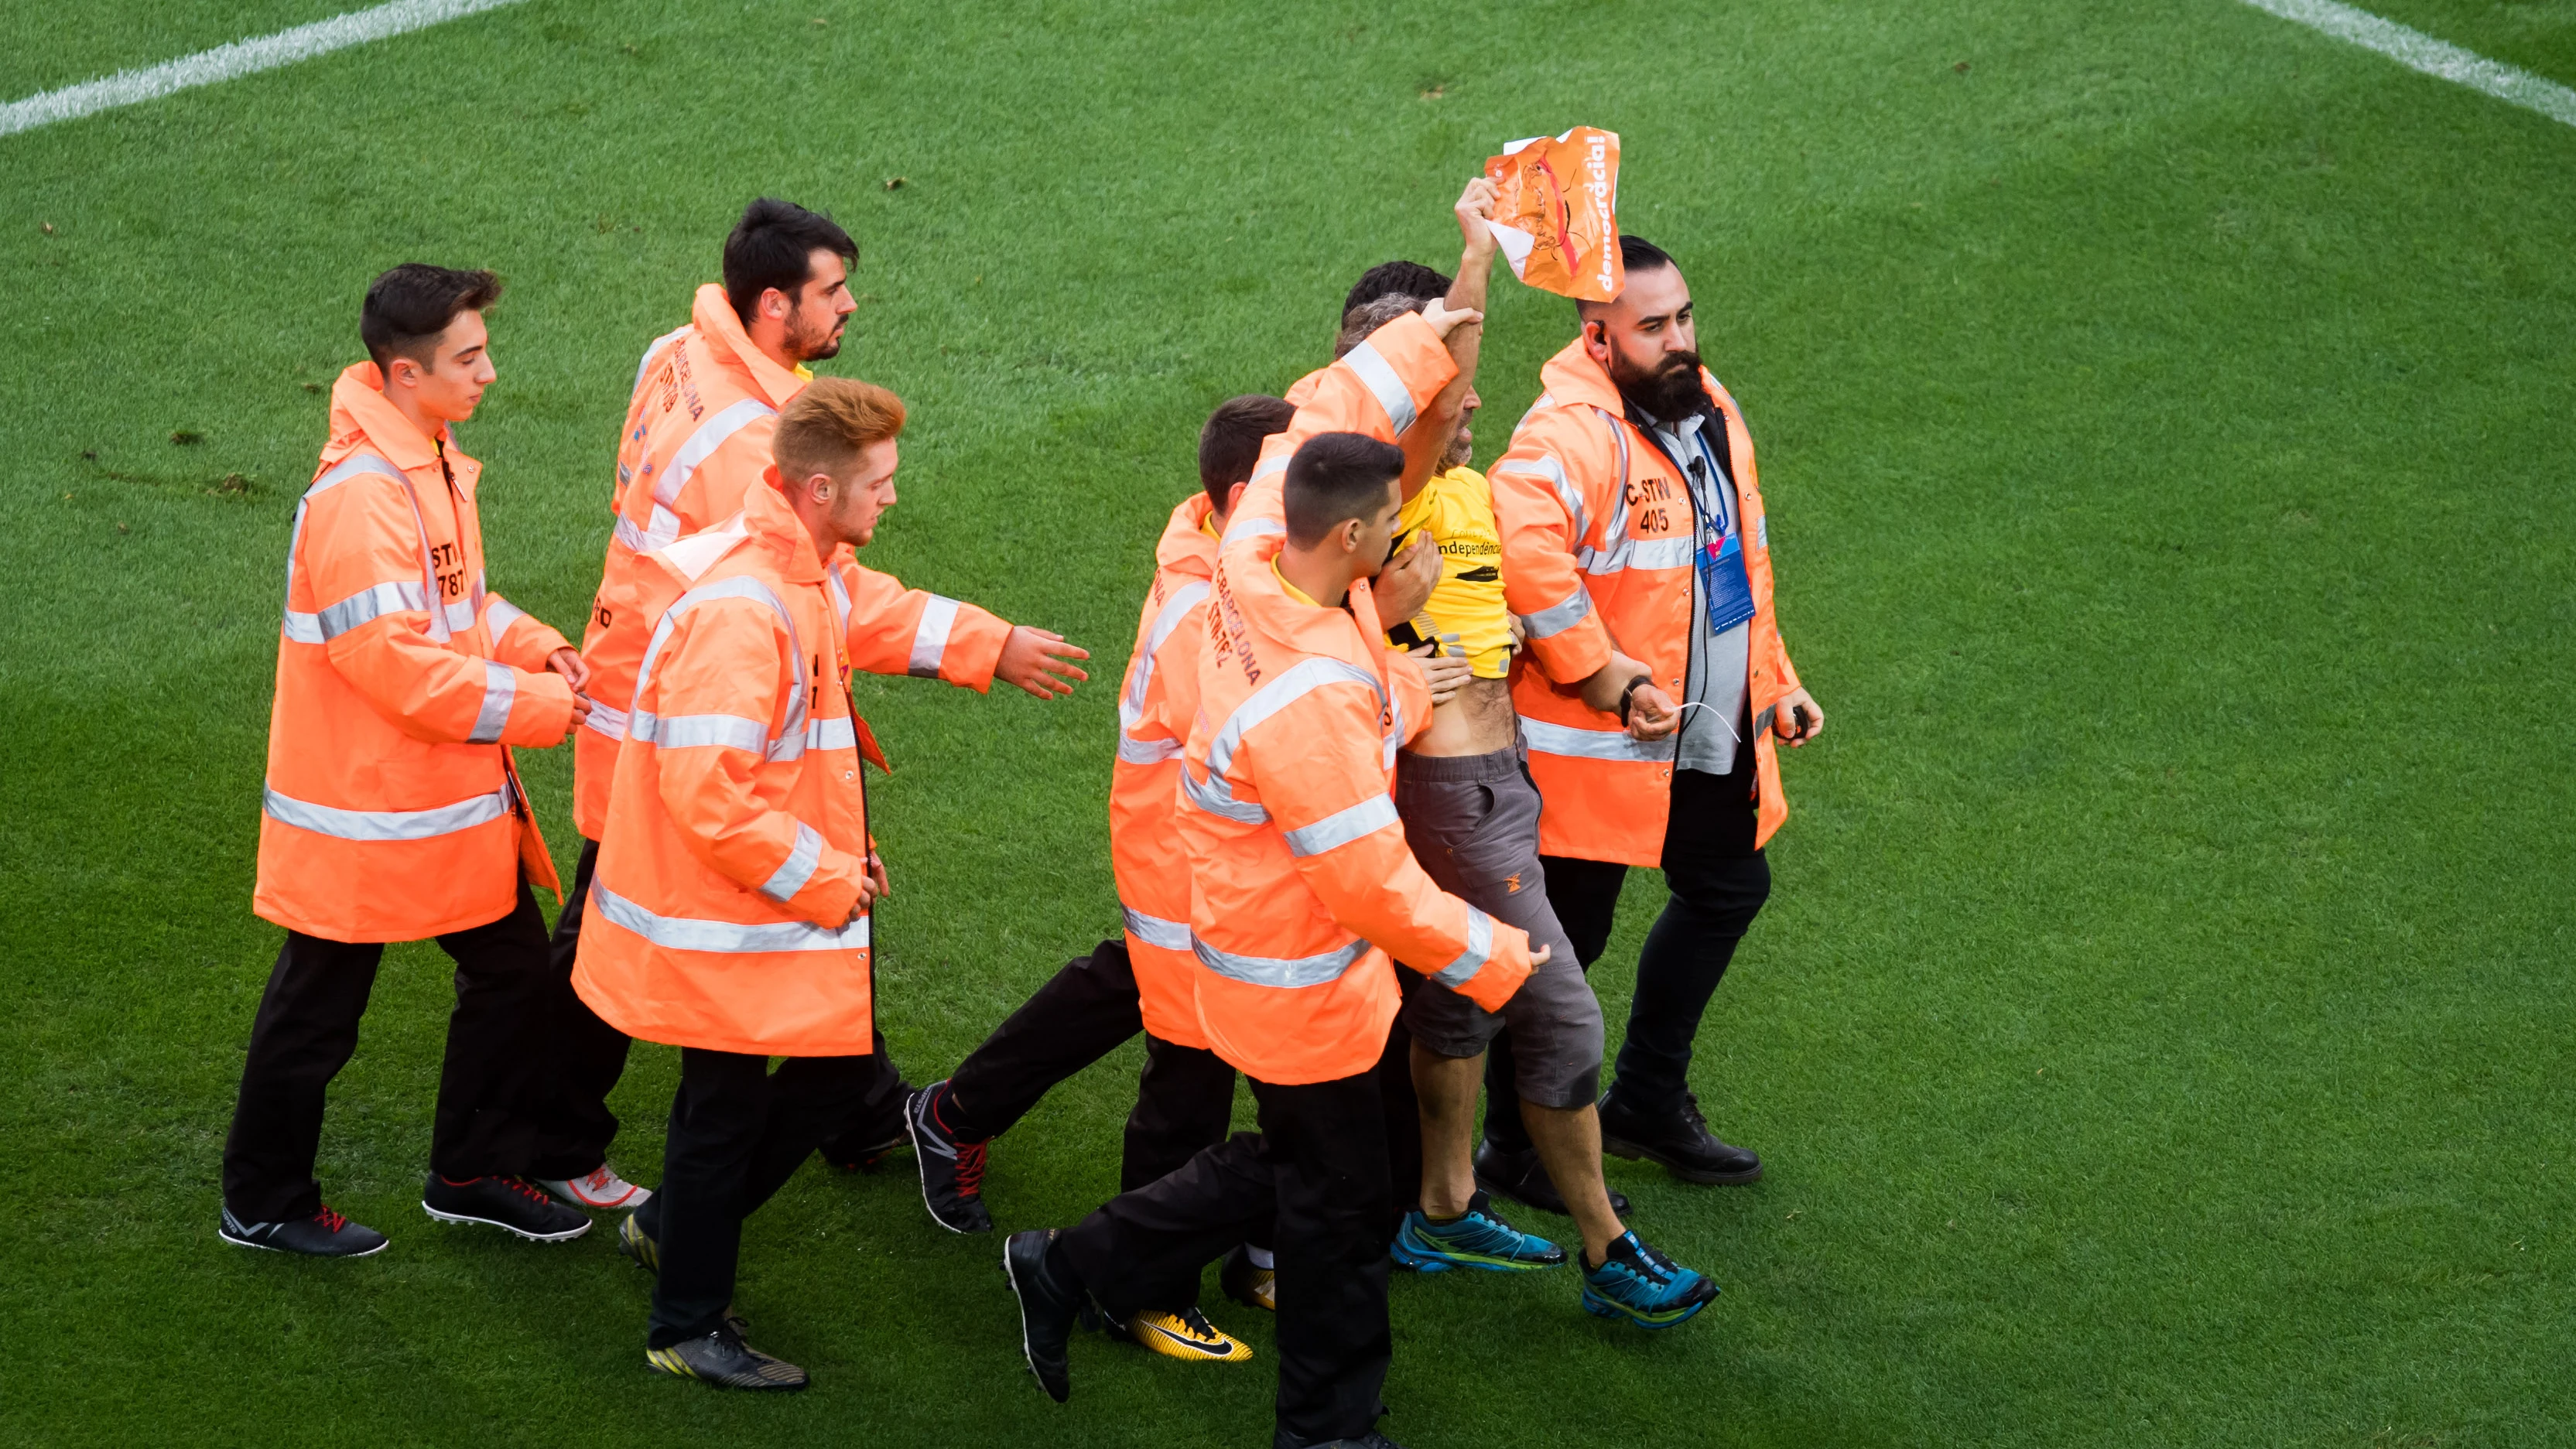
(1628, 696)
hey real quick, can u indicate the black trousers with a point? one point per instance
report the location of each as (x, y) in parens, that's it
(585, 1054)
(307, 1028)
(1717, 881)
(1319, 1176)
(1184, 1099)
(738, 1132)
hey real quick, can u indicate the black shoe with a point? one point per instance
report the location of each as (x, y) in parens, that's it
(326, 1234)
(512, 1204)
(952, 1172)
(721, 1358)
(847, 1156)
(1518, 1176)
(1681, 1142)
(1047, 1309)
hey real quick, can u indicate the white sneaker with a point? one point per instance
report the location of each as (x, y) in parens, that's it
(600, 1190)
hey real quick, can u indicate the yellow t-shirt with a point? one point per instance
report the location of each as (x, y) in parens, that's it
(1457, 509)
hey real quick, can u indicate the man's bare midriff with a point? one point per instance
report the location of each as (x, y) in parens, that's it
(1478, 721)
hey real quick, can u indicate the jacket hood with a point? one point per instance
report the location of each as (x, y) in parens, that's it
(1185, 548)
(359, 411)
(712, 314)
(1261, 596)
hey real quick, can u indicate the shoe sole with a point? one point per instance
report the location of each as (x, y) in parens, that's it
(1634, 1152)
(290, 1252)
(1421, 1261)
(921, 1160)
(1600, 1307)
(1029, 1355)
(562, 1237)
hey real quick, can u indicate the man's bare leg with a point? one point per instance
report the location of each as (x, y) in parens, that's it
(1569, 1147)
(1447, 1088)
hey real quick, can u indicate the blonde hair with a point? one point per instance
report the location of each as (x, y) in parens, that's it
(827, 425)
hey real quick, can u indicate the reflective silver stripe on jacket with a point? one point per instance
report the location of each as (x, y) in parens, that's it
(1372, 368)
(607, 719)
(1154, 930)
(1638, 553)
(840, 593)
(1244, 526)
(1556, 618)
(1480, 948)
(500, 689)
(364, 606)
(687, 731)
(1342, 827)
(1556, 739)
(790, 741)
(930, 640)
(1546, 466)
(683, 933)
(1216, 794)
(498, 615)
(832, 732)
(798, 868)
(1278, 970)
(1168, 618)
(385, 824)
(1148, 752)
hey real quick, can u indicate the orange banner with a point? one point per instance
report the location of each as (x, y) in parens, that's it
(1556, 212)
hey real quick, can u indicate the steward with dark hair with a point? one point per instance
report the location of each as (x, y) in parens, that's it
(1395, 279)
(779, 246)
(391, 810)
(1336, 479)
(1230, 444)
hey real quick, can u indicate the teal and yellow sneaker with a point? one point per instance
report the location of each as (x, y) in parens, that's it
(1477, 1239)
(1641, 1285)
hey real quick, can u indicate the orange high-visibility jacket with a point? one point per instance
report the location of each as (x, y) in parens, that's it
(1379, 388)
(720, 915)
(697, 440)
(1301, 884)
(1598, 533)
(391, 812)
(1155, 706)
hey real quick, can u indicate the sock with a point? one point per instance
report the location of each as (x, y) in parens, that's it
(1260, 1258)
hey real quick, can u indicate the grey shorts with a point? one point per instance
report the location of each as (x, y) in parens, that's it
(1473, 823)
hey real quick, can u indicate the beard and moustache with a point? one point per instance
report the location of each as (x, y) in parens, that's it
(815, 343)
(1670, 393)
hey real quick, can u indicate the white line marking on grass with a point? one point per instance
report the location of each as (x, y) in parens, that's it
(2417, 51)
(242, 57)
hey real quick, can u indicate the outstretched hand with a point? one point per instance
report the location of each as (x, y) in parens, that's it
(1040, 662)
(1445, 673)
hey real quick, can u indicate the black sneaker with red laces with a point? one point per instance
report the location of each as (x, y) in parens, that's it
(952, 1172)
(512, 1204)
(326, 1234)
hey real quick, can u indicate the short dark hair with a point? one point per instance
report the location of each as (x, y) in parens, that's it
(1395, 279)
(409, 306)
(773, 246)
(1335, 478)
(1636, 254)
(1230, 444)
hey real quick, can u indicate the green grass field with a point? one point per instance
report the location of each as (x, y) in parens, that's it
(2160, 1033)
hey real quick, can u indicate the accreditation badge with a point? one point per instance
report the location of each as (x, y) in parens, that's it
(1724, 582)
